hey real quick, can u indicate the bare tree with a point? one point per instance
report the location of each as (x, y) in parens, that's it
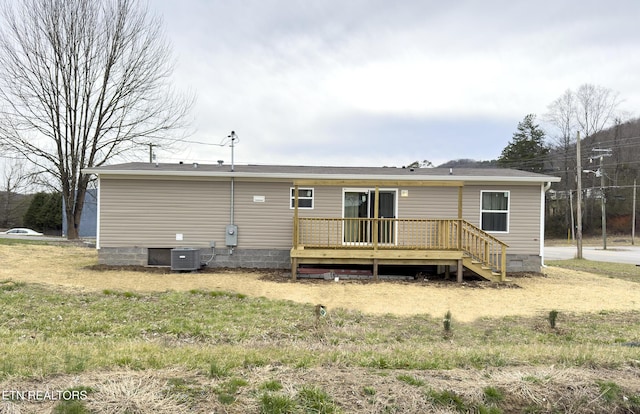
(15, 179)
(596, 108)
(81, 82)
(561, 115)
(590, 110)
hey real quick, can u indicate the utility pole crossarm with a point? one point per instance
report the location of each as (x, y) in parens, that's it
(151, 145)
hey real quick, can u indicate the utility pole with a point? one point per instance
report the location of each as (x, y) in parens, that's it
(151, 145)
(579, 200)
(633, 217)
(603, 200)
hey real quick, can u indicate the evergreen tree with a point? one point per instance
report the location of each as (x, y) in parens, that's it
(527, 150)
(32, 216)
(52, 212)
(44, 212)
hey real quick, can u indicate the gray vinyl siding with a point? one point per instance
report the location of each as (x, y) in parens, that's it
(267, 224)
(524, 215)
(328, 203)
(428, 202)
(150, 212)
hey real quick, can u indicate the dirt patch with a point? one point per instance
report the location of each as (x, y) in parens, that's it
(284, 276)
(526, 295)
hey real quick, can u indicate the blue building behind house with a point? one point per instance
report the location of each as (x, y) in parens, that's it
(89, 219)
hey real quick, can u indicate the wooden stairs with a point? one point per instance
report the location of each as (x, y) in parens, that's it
(482, 270)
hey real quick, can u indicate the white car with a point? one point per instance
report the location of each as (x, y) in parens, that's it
(23, 232)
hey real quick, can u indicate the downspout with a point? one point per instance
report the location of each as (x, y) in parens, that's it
(233, 137)
(232, 195)
(98, 213)
(545, 188)
(231, 213)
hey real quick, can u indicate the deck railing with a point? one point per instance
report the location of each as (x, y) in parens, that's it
(483, 247)
(407, 234)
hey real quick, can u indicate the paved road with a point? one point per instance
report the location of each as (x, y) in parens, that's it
(88, 242)
(615, 254)
(21, 237)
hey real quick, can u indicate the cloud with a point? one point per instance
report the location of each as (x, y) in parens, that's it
(328, 82)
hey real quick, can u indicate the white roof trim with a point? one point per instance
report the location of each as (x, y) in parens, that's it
(286, 176)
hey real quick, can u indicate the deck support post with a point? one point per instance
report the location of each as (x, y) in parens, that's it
(375, 269)
(460, 271)
(459, 229)
(447, 272)
(294, 268)
(503, 264)
(376, 221)
(296, 225)
(460, 202)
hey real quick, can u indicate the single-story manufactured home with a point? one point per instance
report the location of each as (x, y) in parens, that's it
(488, 221)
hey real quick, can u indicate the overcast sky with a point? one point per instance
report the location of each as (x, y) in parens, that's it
(375, 83)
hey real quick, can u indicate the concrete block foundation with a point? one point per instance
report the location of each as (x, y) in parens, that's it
(261, 258)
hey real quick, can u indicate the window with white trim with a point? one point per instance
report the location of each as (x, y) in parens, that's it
(494, 211)
(305, 198)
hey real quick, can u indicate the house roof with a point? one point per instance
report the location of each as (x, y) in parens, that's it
(319, 172)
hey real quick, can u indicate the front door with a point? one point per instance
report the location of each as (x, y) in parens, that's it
(359, 208)
(386, 210)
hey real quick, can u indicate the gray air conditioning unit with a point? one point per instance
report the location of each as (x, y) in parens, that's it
(185, 258)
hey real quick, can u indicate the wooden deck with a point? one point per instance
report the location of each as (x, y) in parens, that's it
(383, 241)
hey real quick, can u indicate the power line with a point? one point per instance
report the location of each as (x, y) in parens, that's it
(223, 142)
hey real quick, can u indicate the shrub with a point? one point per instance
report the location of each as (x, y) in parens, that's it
(446, 324)
(553, 316)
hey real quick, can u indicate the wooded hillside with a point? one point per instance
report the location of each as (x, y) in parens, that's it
(619, 148)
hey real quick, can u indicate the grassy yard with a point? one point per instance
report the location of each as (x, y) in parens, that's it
(206, 351)
(623, 271)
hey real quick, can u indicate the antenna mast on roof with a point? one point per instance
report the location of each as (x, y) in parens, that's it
(233, 139)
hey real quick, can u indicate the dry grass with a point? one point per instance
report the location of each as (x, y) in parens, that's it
(536, 389)
(354, 355)
(612, 240)
(128, 392)
(560, 289)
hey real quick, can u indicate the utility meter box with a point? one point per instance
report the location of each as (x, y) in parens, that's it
(231, 235)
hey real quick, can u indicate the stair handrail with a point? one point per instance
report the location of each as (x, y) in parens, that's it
(484, 247)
